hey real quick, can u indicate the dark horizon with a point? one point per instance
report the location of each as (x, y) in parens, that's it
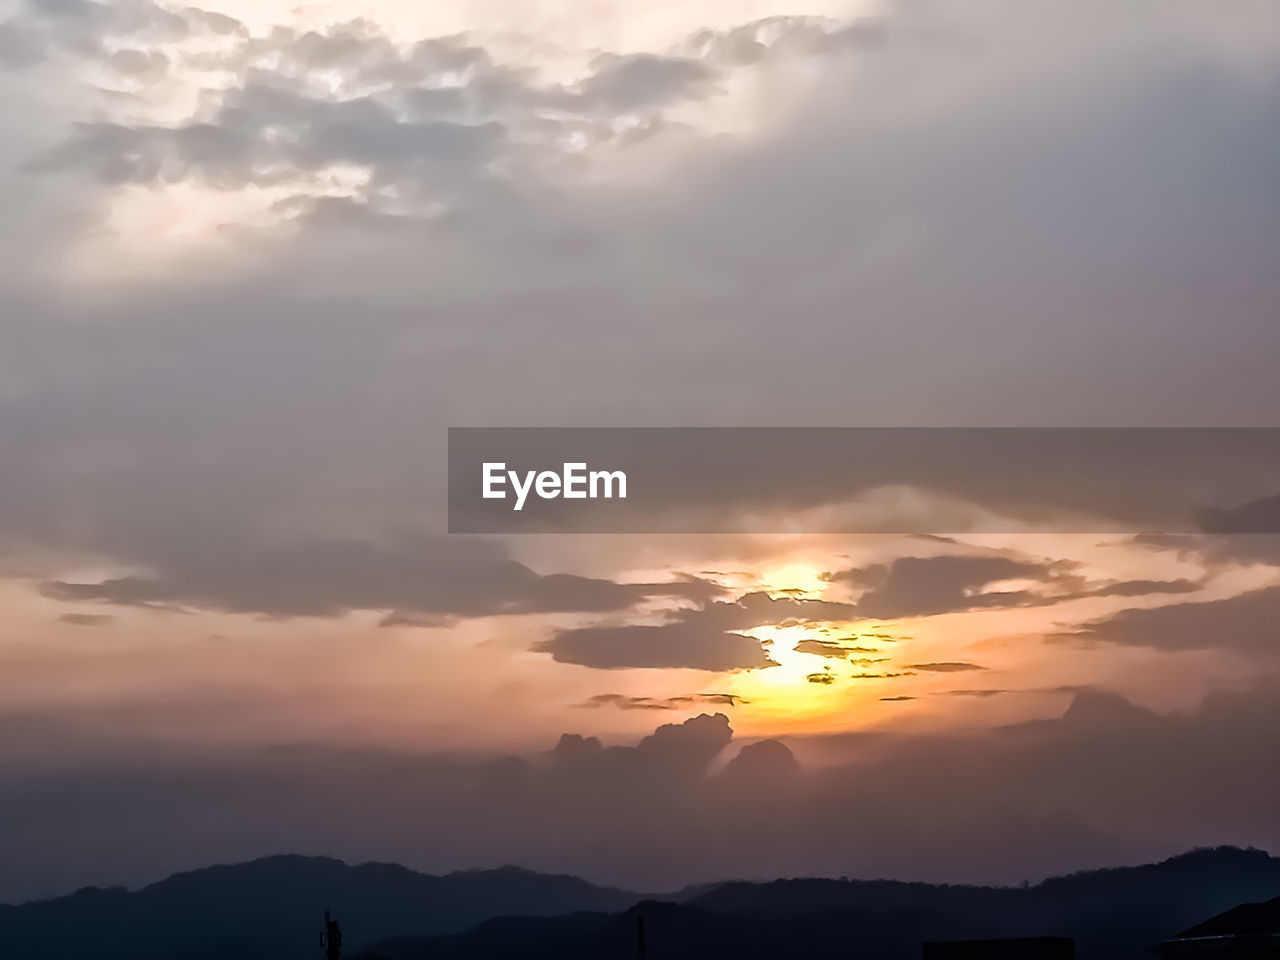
(268, 908)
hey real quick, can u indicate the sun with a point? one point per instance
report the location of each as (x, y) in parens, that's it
(804, 690)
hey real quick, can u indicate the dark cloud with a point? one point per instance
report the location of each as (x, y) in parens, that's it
(1218, 550)
(1144, 588)
(979, 694)
(87, 619)
(830, 648)
(689, 702)
(925, 586)
(881, 676)
(426, 580)
(950, 666)
(676, 645)
(1245, 623)
(704, 638)
(952, 583)
(1256, 517)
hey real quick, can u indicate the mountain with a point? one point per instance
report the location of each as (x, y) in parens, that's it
(1113, 914)
(272, 909)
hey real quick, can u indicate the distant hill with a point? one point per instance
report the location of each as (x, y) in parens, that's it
(1113, 915)
(272, 909)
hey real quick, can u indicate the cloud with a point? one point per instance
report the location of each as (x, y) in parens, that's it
(952, 583)
(426, 580)
(1256, 517)
(87, 619)
(1218, 550)
(706, 637)
(829, 648)
(925, 586)
(980, 694)
(689, 702)
(622, 84)
(945, 667)
(284, 381)
(670, 646)
(1245, 623)
(882, 676)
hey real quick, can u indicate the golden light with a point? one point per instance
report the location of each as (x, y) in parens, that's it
(805, 691)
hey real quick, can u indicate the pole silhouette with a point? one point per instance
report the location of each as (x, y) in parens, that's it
(331, 939)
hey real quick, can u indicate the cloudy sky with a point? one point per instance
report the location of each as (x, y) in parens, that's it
(257, 257)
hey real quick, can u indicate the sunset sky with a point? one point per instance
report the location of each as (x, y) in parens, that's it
(257, 257)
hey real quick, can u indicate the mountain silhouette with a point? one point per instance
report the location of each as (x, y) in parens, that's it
(273, 908)
(1111, 914)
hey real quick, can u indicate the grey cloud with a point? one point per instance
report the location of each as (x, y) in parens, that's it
(929, 586)
(828, 648)
(19, 47)
(1256, 517)
(1218, 550)
(925, 586)
(1144, 588)
(425, 580)
(1245, 623)
(673, 645)
(627, 83)
(275, 124)
(946, 666)
(625, 703)
(233, 149)
(882, 676)
(687, 702)
(87, 619)
(703, 637)
(1119, 182)
(979, 694)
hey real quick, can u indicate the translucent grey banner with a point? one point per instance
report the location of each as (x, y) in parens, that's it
(864, 480)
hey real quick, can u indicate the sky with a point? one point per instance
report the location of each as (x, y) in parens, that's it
(256, 258)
